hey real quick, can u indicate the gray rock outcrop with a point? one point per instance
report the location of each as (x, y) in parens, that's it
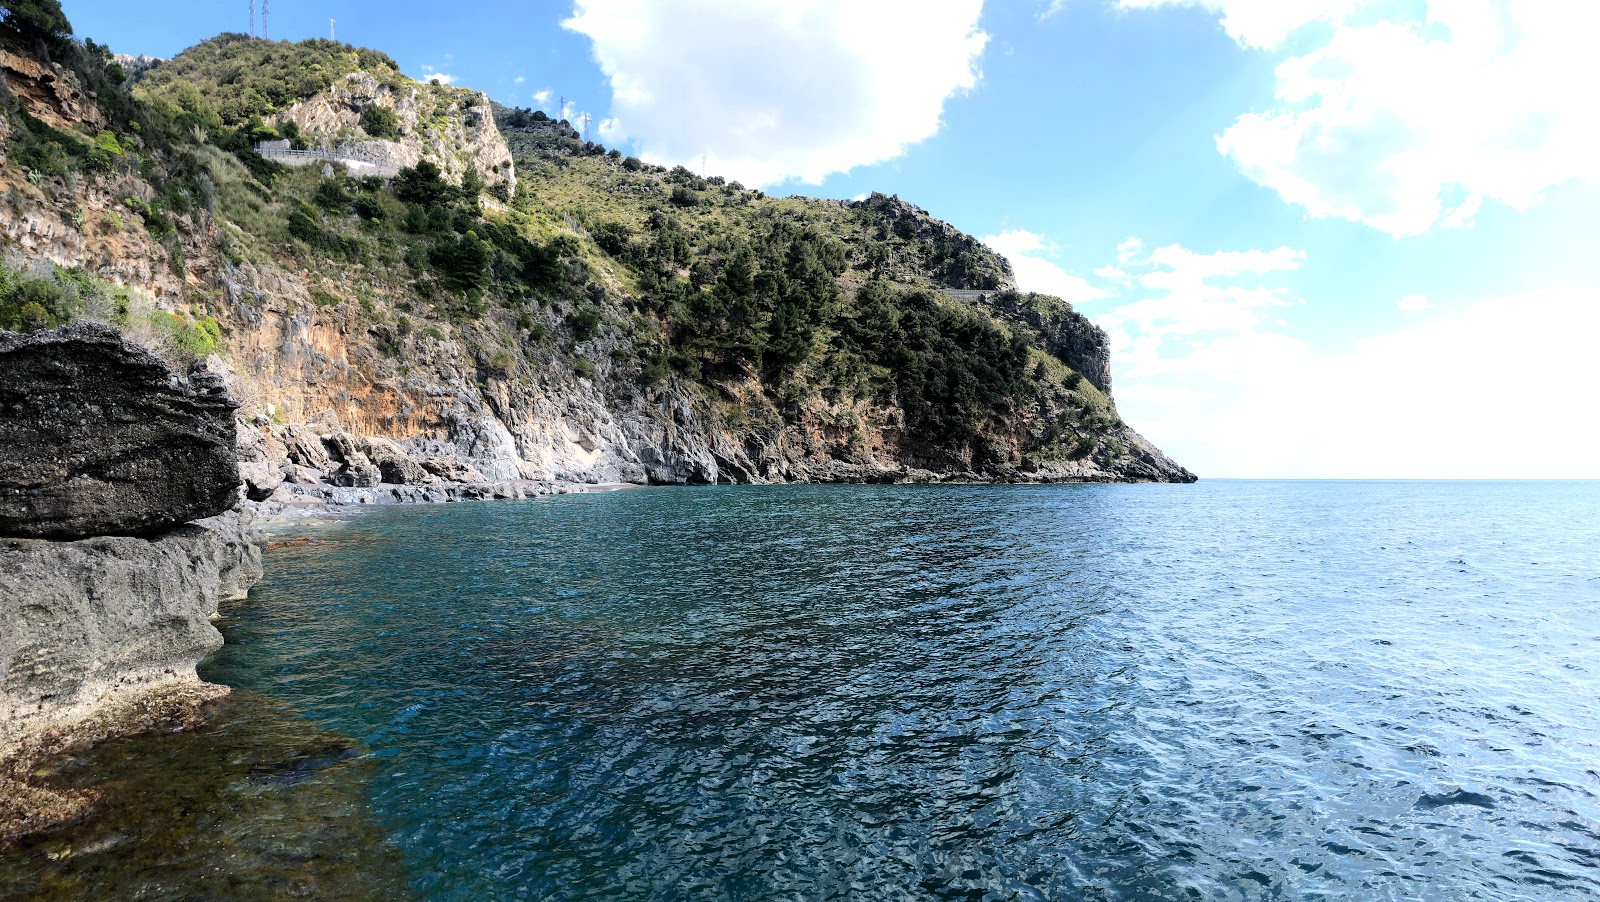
(393, 463)
(89, 619)
(93, 431)
(100, 634)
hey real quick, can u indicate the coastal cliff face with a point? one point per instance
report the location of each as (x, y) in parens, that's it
(102, 632)
(614, 322)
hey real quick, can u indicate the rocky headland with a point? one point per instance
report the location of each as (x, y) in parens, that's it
(120, 533)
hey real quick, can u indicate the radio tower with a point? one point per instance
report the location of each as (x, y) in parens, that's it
(252, 18)
(264, 36)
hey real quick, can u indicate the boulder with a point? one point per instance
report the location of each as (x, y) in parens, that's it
(452, 469)
(259, 467)
(392, 461)
(303, 448)
(355, 470)
(99, 437)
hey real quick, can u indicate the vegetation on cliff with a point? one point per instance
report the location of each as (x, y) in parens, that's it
(829, 321)
(234, 79)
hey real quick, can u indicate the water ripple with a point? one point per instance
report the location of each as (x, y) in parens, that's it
(1223, 691)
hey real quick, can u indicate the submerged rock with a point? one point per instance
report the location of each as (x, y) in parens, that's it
(93, 431)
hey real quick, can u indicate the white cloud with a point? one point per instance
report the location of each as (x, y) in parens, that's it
(1188, 312)
(519, 79)
(429, 74)
(1034, 272)
(541, 97)
(1502, 388)
(1208, 368)
(772, 90)
(1262, 23)
(1410, 123)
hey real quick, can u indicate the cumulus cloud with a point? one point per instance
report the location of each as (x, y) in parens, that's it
(1420, 402)
(1408, 123)
(1208, 368)
(771, 91)
(430, 74)
(519, 79)
(1186, 312)
(1035, 272)
(541, 97)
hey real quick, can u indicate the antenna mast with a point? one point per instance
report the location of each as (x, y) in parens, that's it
(252, 18)
(264, 20)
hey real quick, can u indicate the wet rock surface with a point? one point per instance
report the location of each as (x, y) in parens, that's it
(94, 429)
(254, 802)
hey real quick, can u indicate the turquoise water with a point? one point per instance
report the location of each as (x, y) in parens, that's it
(1227, 690)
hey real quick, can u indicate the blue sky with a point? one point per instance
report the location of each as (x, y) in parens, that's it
(1330, 238)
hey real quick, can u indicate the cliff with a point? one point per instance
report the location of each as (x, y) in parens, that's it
(102, 632)
(449, 127)
(607, 321)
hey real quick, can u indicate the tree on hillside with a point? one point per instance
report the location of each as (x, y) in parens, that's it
(422, 185)
(35, 20)
(380, 122)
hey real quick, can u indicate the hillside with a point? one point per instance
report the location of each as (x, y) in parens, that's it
(576, 316)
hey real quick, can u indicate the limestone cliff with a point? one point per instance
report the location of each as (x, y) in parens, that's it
(451, 127)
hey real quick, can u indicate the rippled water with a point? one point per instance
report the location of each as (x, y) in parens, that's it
(1227, 690)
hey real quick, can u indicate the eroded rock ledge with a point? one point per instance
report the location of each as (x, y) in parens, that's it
(98, 437)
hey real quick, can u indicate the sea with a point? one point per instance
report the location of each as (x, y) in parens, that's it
(1227, 690)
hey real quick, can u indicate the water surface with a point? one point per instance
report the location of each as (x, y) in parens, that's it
(1232, 690)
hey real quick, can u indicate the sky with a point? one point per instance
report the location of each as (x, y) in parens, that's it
(1328, 238)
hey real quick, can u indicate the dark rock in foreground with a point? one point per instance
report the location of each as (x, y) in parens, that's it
(93, 432)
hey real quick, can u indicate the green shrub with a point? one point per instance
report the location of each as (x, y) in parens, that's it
(380, 122)
(462, 263)
(191, 340)
(330, 195)
(28, 302)
(500, 362)
(422, 185)
(584, 323)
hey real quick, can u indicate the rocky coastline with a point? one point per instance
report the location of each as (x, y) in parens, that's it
(120, 534)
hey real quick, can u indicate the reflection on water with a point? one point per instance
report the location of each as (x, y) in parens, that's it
(257, 804)
(1221, 691)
